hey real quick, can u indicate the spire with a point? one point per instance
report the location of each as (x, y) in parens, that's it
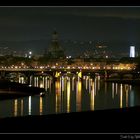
(55, 36)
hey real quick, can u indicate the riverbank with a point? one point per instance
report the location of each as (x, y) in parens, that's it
(102, 121)
(134, 82)
(9, 90)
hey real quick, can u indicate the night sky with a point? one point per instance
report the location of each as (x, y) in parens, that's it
(31, 28)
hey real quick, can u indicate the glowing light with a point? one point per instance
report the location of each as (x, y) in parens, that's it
(113, 90)
(21, 80)
(30, 52)
(132, 51)
(57, 74)
(41, 85)
(57, 87)
(121, 90)
(80, 74)
(62, 84)
(29, 105)
(15, 107)
(73, 84)
(68, 96)
(78, 96)
(58, 97)
(92, 97)
(40, 106)
(56, 102)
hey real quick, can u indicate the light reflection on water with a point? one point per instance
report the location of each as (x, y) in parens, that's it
(70, 94)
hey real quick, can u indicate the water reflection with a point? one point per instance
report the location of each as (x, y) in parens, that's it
(92, 97)
(15, 107)
(58, 96)
(41, 106)
(132, 98)
(29, 105)
(21, 107)
(113, 88)
(121, 92)
(70, 93)
(127, 92)
(78, 95)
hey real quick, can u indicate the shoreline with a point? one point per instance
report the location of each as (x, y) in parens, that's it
(99, 121)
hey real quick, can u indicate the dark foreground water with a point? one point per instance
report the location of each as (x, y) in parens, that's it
(71, 94)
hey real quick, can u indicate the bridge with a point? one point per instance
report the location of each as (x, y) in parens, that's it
(56, 72)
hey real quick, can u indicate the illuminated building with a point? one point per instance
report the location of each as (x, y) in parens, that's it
(132, 51)
(55, 50)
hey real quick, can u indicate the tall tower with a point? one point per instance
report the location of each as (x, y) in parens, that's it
(55, 50)
(132, 51)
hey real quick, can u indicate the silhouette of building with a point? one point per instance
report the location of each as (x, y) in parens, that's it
(55, 50)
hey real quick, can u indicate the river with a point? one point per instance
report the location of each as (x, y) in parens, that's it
(71, 94)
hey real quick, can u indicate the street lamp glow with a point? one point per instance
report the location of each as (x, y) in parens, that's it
(30, 52)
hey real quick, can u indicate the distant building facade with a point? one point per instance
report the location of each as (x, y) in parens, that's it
(55, 50)
(5, 51)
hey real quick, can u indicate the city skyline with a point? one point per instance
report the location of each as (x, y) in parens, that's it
(31, 28)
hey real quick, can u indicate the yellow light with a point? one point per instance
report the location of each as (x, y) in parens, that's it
(80, 74)
(126, 90)
(121, 90)
(92, 97)
(78, 96)
(57, 74)
(68, 96)
(40, 106)
(41, 85)
(15, 107)
(58, 96)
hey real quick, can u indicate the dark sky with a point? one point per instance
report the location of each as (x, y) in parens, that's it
(31, 27)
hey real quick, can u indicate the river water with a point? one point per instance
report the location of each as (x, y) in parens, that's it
(71, 94)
